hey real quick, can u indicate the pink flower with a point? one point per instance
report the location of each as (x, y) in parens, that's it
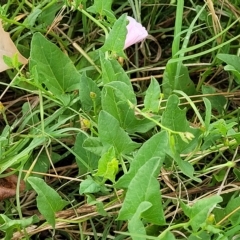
(135, 32)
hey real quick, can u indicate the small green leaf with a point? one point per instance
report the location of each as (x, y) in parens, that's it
(113, 71)
(32, 17)
(108, 73)
(103, 8)
(168, 236)
(115, 100)
(48, 200)
(183, 82)
(87, 161)
(108, 165)
(111, 134)
(123, 91)
(220, 175)
(94, 145)
(231, 69)
(89, 186)
(49, 13)
(218, 102)
(86, 87)
(152, 97)
(236, 172)
(230, 234)
(232, 60)
(199, 212)
(116, 38)
(185, 167)
(9, 61)
(233, 211)
(54, 69)
(175, 118)
(202, 236)
(144, 187)
(10, 226)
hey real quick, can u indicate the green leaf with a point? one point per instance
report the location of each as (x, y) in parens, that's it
(220, 175)
(87, 88)
(183, 83)
(108, 73)
(115, 100)
(154, 147)
(103, 8)
(10, 226)
(108, 165)
(231, 69)
(218, 102)
(113, 71)
(31, 18)
(83, 64)
(87, 160)
(116, 38)
(233, 210)
(144, 187)
(135, 225)
(185, 166)
(232, 232)
(175, 118)
(43, 163)
(89, 186)
(111, 134)
(54, 69)
(232, 60)
(152, 97)
(94, 145)
(199, 212)
(49, 13)
(48, 200)
(236, 172)
(201, 236)
(123, 91)
(168, 236)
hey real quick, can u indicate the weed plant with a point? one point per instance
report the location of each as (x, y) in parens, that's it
(140, 143)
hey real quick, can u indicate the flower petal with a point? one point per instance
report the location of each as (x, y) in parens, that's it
(135, 32)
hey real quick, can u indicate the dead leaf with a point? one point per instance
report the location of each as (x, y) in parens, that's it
(8, 186)
(8, 48)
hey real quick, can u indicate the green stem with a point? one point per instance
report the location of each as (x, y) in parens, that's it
(99, 24)
(162, 235)
(227, 164)
(155, 121)
(94, 20)
(123, 165)
(41, 111)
